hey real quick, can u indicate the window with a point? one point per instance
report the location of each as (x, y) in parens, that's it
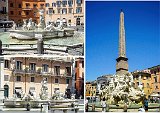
(53, 4)
(27, 5)
(56, 80)
(68, 71)
(32, 66)
(155, 79)
(4, 10)
(19, 6)
(69, 21)
(57, 70)
(19, 65)
(156, 87)
(70, 3)
(42, 5)
(35, 5)
(6, 77)
(82, 64)
(64, 3)
(50, 10)
(64, 11)
(11, 4)
(27, 13)
(78, 1)
(70, 10)
(147, 85)
(18, 78)
(11, 12)
(19, 13)
(6, 64)
(78, 10)
(59, 11)
(44, 68)
(32, 79)
(67, 81)
(47, 4)
(58, 3)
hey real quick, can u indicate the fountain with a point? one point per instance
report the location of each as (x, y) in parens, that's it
(121, 88)
(48, 31)
(56, 102)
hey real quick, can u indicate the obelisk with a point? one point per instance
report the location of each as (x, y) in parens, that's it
(122, 60)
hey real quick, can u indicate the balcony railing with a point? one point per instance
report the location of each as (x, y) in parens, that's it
(45, 73)
(19, 71)
(39, 72)
(31, 71)
(27, 8)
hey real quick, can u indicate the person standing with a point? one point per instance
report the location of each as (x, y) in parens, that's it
(146, 104)
(103, 104)
(86, 105)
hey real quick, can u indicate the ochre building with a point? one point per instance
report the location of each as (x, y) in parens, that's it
(25, 74)
(25, 9)
(70, 12)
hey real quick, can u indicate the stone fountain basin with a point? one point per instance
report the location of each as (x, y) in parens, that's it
(36, 103)
(30, 34)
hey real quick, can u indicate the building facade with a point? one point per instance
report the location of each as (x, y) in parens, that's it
(25, 74)
(25, 9)
(79, 77)
(143, 78)
(155, 75)
(70, 12)
(3, 10)
(91, 89)
(103, 80)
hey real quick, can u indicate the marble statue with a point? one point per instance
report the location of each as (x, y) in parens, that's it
(41, 24)
(121, 90)
(24, 24)
(14, 26)
(44, 88)
(30, 25)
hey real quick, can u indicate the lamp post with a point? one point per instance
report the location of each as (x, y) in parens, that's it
(13, 72)
(4, 26)
(73, 76)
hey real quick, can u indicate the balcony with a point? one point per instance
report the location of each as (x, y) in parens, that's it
(46, 73)
(31, 72)
(19, 71)
(27, 8)
(61, 75)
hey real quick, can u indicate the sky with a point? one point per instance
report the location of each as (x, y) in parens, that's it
(142, 21)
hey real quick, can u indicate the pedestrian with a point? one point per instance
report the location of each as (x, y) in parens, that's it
(86, 105)
(103, 104)
(145, 104)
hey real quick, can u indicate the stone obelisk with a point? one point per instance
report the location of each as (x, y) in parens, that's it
(122, 60)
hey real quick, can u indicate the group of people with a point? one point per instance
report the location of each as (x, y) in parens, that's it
(144, 108)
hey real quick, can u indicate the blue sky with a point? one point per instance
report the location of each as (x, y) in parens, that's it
(142, 21)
